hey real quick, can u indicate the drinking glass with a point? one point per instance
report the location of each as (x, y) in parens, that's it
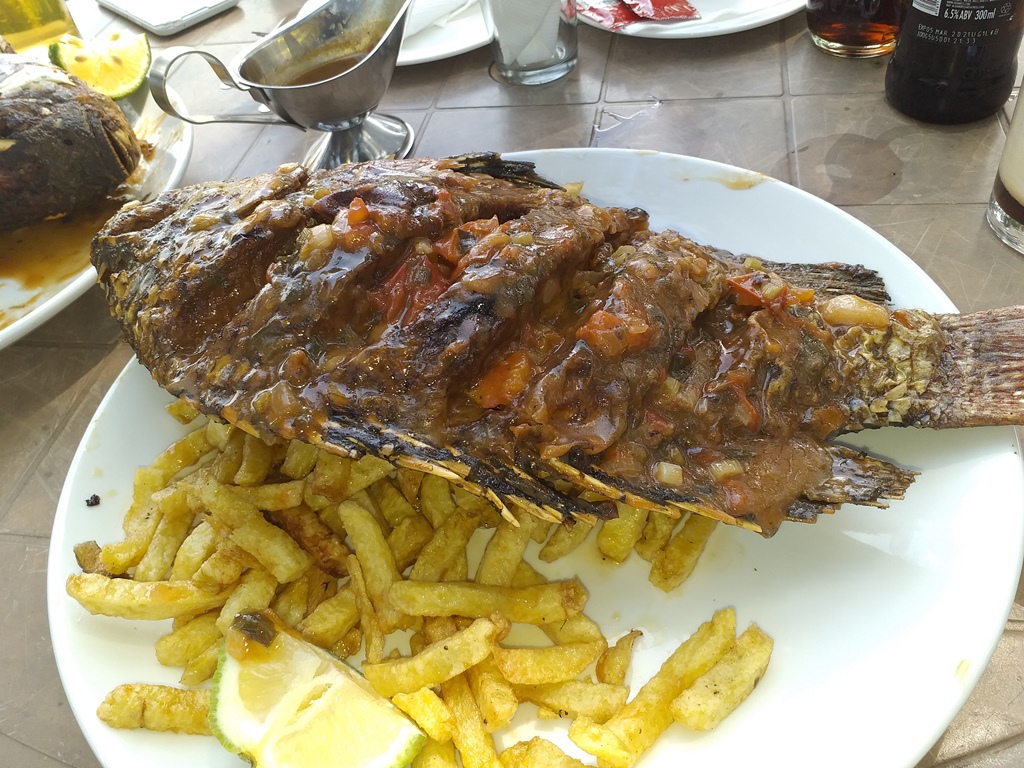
(1006, 205)
(28, 23)
(533, 41)
(854, 28)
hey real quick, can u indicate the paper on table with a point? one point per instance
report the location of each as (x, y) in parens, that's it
(425, 13)
(526, 30)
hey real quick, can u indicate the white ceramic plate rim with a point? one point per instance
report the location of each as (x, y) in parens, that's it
(710, 27)
(883, 620)
(58, 296)
(465, 31)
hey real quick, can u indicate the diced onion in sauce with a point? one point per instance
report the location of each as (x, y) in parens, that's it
(724, 469)
(667, 473)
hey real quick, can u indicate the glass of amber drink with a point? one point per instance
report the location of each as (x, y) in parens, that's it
(28, 23)
(1006, 205)
(854, 28)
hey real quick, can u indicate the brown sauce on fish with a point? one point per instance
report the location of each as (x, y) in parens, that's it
(550, 348)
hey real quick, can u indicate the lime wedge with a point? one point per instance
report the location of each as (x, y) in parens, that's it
(283, 703)
(115, 65)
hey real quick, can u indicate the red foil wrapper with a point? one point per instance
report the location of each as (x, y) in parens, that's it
(616, 14)
(663, 10)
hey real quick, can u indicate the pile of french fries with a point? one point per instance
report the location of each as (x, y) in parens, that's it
(348, 551)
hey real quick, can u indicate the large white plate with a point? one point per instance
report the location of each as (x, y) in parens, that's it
(23, 308)
(717, 17)
(883, 619)
(464, 31)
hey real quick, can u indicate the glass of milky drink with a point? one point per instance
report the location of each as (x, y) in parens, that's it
(1006, 206)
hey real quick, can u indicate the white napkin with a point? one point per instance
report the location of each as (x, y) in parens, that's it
(425, 13)
(527, 30)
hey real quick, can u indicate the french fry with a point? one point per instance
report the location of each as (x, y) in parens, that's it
(328, 482)
(365, 472)
(181, 454)
(369, 622)
(378, 564)
(349, 644)
(407, 540)
(614, 662)
(673, 565)
(436, 502)
(332, 619)
(147, 600)
(439, 661)
(182, 411)
(450, 538)
(436, 754)
(299, 459)
(200, 668)
(392, 504)
(273, 496)
(504, 550)
(657, 532)
(550, 603)
(315, 537)
(272, 547)
(194, 551)
(224, 566)
(541, 531)
(184, 643)
(87, 555)
(622, 740)
(537, 753)
(256, 459)
(475, 745)
(254, 592)
(289, 602)
(572, 698)
(428, 710)
(157, 708)
(564, 540)
(409, 481)
(139, 525)
(717, 693)
(226, 463)
(494, 696)
(551, 664)
(218, 433)
(575, 629)
(176, 517)
(617, 537)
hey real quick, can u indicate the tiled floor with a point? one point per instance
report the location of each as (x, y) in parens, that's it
(762, 99)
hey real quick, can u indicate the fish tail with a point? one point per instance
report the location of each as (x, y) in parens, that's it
(983, 365)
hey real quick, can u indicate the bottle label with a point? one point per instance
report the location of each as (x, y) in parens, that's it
(962, 22)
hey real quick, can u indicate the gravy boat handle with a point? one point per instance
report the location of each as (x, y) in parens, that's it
(159, 75)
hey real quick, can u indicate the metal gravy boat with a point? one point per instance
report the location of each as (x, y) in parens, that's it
(326, 71)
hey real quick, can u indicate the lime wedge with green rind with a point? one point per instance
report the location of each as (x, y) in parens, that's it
(286, 703)
(116, 65)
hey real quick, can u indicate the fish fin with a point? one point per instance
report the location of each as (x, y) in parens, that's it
(860, 479)
(981, 381)
(492, 164)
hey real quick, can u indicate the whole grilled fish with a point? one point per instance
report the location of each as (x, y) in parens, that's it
(63, 146)
(467, 318)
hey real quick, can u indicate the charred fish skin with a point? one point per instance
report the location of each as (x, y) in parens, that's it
(537, 349)
(64, 146)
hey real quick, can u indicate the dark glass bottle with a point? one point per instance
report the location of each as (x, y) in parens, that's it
(955, 60)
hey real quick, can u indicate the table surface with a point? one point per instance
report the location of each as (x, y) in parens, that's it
(763, 99)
